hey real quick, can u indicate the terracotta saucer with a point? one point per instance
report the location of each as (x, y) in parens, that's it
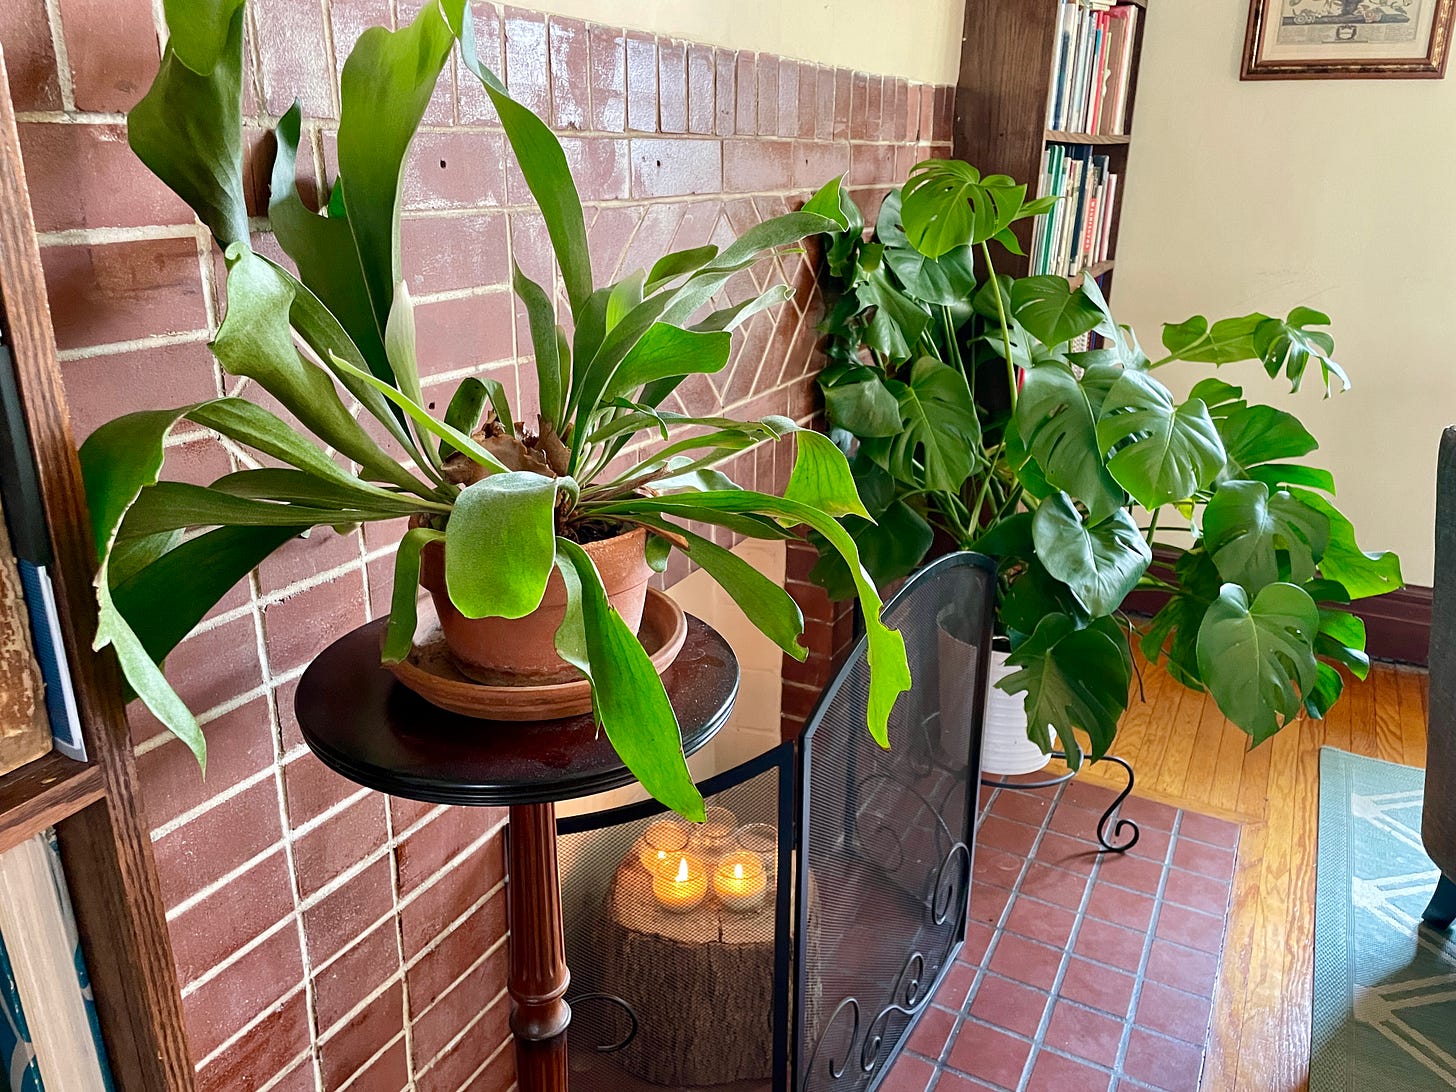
(431, 674)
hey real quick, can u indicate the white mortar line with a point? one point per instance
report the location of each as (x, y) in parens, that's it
(374, 995)
(63, 57)
(100, 236)
(221, 882)
(486, 1064)
(243, 1031)
(477, 1018)
(234, 957)
(111, 348)
(379, 1054)
(163, 829)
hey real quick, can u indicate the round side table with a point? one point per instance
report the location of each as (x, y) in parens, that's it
(366, 726)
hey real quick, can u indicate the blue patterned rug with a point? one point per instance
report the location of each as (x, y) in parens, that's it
(1384, 987)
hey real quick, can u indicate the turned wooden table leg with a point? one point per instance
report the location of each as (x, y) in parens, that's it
(538, 973)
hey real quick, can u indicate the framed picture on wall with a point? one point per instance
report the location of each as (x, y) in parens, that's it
(1347, 39)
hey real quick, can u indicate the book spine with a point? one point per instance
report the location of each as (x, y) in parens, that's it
(1125, 86)
(17, 1054)
(50, 654)
(73, 938)
(1059, 69)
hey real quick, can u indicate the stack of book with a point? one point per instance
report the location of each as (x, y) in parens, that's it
(37, 702)
(1077, 232)
(1093, 67)
(50, 1037)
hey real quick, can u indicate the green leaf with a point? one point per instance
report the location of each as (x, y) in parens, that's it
(1275, 475)
(666, 350)
(302, 488)
(897, 323)
(627, 694)
(889, 668)
(384, 89)
(832, 201)
(1100, 562)
(420, 416)
(941, 439)
(399, 632)
(1072, 678)
(1257, 660)
(769, 607)
(164, 601)
(1327, 690)
(1225, 342)
(543, 165)
(865, 407)
(1173, 632)
(1288, 346)
(255, 341)
(500, 544)
(322, 247)
(1256, 538)
(463, 413)
(677, 264)
(1055, 420)
(188, 127)
(1051, 310)
(1033, 595)
(1160, 453)
(948, 204)
(1362, 574)
(820, 477)
(730, 318)
(1341, 638)
(942, 281)
(1260, 434)
(1221, 398)
(551, 370)
(168, 506)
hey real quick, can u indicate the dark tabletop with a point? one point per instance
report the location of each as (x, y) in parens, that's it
(365, 725)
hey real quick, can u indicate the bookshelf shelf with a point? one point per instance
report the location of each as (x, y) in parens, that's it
(1098, 271)
(1008, 53)
(42, 793)
(1059, 137)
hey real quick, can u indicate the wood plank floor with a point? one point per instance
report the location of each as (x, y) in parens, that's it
(1186, 754)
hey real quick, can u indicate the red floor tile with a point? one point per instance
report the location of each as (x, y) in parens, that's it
(1214, 861)
(1010, 1005)
(1055, 885)
(1006, 835)
(1120, 906)
(1110, 944)
(1026, 961)
(1176, 1014)
(1084, 1033)
(997, 866)
(955, 987)
(1053, 1073)
(1098, 986)
(1031, 808)
(1073, 854)
(1205, 828)
(932, 1031)
(978, 939)
(908, 1074)
(1149, 814)
(1040, 921)
(1152, 844)
(1199, 892)
(1163, 1063)
(1135, 873)
(988, 903)
(1191, 928)
(989, 1054)
(1184, 968)
(951, 1081)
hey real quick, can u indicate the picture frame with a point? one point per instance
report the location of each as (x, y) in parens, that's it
(1347, 39)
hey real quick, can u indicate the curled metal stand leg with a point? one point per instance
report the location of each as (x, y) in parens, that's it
(1124, 833)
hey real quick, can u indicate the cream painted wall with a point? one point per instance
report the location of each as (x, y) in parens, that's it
(1334, 194)
(920, 40)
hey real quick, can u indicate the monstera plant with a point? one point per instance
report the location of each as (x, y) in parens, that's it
(1018, 418)
(510, 501)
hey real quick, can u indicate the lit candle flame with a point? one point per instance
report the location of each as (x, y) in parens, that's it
(738, 872)
(682, 870)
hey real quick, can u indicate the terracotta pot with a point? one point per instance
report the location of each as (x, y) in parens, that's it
(522, 651)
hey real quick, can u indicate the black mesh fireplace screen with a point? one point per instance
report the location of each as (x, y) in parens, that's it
(791, 941)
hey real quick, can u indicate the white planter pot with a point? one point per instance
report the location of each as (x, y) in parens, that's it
(1005, 750)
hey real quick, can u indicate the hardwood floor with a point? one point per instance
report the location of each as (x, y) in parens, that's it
(1187, 754)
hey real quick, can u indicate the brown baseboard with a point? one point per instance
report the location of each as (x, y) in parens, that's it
(1397, 625)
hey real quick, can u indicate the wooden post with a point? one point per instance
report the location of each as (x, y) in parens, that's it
(538, 974)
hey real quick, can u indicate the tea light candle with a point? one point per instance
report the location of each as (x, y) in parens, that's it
(762, 839)
(663, 839)
(739, 882)
(714, 836)
(681, 883)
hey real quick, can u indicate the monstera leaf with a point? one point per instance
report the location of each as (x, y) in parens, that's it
(1052, 311)
(1258, 659)
(1256, 538)
(1072, 678)
(1100, 562)
(948, 204)
(1161, 452)
(1054, 420)
(941, 432)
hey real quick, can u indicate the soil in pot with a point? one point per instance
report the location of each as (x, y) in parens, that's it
(522, 651)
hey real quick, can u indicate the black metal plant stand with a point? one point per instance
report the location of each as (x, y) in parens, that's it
(1121, 828)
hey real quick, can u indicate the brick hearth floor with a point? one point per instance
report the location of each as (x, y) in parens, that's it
(1082, 972)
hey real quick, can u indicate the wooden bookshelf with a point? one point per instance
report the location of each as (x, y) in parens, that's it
(1007, 54)
(95, 806)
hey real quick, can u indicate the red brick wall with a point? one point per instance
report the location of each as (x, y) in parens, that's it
(325, 935)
